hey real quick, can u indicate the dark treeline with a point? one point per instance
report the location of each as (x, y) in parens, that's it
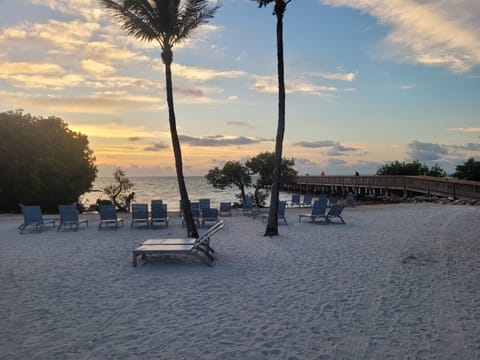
(42, 162)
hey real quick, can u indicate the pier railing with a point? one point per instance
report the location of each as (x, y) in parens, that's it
(444, 187)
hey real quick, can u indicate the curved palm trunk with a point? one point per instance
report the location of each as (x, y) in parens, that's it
(272, 224)
(167, 57)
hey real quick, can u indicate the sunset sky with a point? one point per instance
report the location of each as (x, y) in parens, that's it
(368, 82)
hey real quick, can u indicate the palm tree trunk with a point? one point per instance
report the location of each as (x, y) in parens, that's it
(272, 223)
(187, 210)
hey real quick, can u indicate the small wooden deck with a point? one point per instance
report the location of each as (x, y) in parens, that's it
(444, 187)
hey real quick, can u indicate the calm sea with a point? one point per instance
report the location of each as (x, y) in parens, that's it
(166, 189)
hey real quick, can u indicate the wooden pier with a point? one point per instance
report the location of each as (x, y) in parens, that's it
(385, 185)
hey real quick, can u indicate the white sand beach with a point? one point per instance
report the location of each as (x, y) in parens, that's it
(396, 282)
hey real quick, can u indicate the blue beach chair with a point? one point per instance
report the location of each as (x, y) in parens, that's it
(282, 205)
(69, 217)
(159, 214)
(139, 216)
(108, 216)
(318, 211)
(33, 219)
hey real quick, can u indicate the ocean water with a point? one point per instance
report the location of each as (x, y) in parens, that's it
(166, 189)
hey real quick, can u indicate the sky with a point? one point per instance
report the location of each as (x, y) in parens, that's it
(368, 82)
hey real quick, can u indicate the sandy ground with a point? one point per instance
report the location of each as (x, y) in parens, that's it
(395, 282)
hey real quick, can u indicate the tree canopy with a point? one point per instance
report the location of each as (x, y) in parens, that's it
(263, 164)
(118, 191)
(234, 173)
(42, 162)
(469, 170)
(414, 168)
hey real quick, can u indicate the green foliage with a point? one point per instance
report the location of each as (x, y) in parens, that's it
(412, 169)
(470, 170)
(232, 174)
(42, 162)
(118, 191)
(263, 165)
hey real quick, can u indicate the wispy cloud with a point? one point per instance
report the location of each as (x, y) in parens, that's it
(333, 148)
(240, 124)
(269, 84)
(407, 87)
(467, 129)
(349, 77)
(156, 147)
(219, 140)
(202, 74)
(467, 147)
(432, 32)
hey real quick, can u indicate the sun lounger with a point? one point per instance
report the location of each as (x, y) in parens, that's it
(307, 200)
(335, 212)
(247, 206)
(199, 247)
(159, 214)
(225, 209)
(350, 200)
(195, 206)
(108, 216)
(69, 217)
(295, 200)
(280, 212)
(140, 216)
(209, 216)
(33, 219)
(318, 211)
(203, 203)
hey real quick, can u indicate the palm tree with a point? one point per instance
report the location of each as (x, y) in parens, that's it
(279, 10)
(168, 22)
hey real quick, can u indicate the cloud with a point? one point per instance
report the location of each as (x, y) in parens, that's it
(334, 148)
(431, 32)
(134, 138)
(467, 147)
(97, 68)
(407, 87)
(349, 77)
(100, 103)
(202, 74)
(467, 129)
(426, 151)
(269, 84)
(156, 147)
(239, 123)
(84, 8)
(219, 140)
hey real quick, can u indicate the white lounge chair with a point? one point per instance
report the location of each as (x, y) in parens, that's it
(199, 247)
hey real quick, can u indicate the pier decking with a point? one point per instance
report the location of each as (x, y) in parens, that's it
(383, 185)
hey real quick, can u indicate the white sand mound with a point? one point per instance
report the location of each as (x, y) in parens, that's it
(397, 281)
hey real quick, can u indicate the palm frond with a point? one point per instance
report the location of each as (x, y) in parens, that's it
(167, 21)
(193, 14)
(136, 17)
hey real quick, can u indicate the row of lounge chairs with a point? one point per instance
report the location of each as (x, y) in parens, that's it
(331, 200)
(141, 217)
(33, 220)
